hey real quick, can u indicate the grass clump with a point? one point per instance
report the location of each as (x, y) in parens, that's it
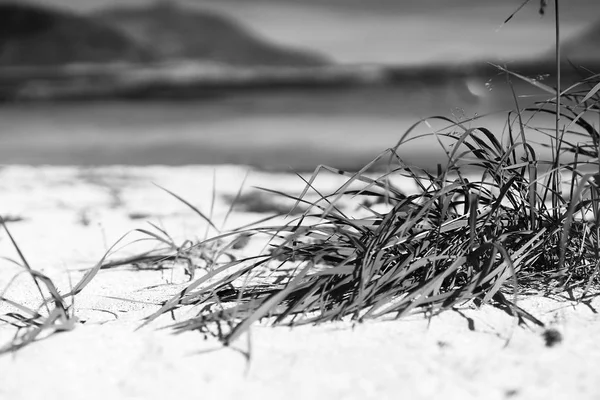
(53, 315)
(496, 220)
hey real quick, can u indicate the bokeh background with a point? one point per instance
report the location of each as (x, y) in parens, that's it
(276, 84)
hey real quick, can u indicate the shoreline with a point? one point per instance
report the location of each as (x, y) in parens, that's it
(190, 80)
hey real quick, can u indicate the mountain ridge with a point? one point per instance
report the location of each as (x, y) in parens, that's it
(40, 36)
(176, 32)
(32, 35)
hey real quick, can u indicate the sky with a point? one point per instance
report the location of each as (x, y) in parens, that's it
(395, 31)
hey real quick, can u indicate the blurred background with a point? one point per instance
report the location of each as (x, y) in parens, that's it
(276, 84)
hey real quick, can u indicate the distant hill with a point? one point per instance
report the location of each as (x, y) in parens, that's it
(39, 36)
(173, 32)
(32, 35)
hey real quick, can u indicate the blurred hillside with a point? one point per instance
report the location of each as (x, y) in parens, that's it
(172, 32)
(133, 52)
(176, 50)
(41, 37)
(390, 32)
(32, 35)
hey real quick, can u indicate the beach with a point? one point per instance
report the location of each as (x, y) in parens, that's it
(65, 218)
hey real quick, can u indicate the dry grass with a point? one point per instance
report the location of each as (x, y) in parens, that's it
(53, 313)
(496, 219)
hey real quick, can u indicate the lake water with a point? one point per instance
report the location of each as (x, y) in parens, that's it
(296, 129)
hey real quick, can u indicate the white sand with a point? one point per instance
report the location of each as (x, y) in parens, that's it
(71, 216)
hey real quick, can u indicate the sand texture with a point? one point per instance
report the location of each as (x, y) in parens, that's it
(65, 218)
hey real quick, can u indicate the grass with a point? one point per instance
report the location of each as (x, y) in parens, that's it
(53, 315)
(495, 221)
(482, 228)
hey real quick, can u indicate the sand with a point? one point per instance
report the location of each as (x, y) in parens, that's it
(70, 216)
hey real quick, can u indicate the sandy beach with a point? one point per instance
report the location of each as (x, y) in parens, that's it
(65, 218)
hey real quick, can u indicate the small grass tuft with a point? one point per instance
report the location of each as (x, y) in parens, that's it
(53, 315)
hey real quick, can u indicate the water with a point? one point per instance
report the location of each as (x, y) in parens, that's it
(296, 129)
